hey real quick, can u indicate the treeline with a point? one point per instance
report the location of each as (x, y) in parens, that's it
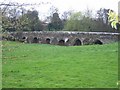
(19, 19)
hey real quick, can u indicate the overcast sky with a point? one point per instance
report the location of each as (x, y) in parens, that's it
(65, 5)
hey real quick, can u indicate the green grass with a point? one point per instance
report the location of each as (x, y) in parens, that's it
(49, 66)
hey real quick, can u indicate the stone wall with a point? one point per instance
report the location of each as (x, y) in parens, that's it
(64, 37)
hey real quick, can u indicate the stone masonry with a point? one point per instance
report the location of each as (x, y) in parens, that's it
(66, 38)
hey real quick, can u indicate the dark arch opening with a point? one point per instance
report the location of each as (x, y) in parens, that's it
(35, 40)
(48, 41)
(61, 42)
(98, 42)
(24, 38)
(77, 42)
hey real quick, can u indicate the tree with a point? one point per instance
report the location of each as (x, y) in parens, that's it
(10, 15)
(34, 24)
(85, 22)
(53, 10)
(55, 23)
(102, 15)
(100, 22)
(73, 23)
(88, 13)
(17, 18)
(66, 14)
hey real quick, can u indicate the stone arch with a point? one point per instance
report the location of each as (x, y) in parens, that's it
(67, 40)
(23, 39)
(61, 42)
(77, 42)
(35, 40)
(98, 42)
(47, 40)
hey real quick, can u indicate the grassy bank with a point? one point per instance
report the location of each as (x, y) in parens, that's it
(49, 66)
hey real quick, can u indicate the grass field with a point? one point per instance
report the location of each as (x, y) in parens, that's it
(49, 66)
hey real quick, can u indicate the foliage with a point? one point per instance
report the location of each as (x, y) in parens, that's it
(86, 22)
(10, 18)
(73, 23)
(33, 22)
(56, 22)
(51, 66)
(113, 19)
(17, 18)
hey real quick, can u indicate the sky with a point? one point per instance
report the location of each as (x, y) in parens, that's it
(65, 5)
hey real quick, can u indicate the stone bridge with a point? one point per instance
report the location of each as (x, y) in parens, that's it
(64, 37)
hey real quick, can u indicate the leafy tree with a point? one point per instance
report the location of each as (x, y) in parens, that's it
(52, 10)
(14, 20)
(17, 18)
(10, 16)
(65, 16)
(34, 24)
(50, 27)
(56, 23)
(101, 21)
(85, 22)
(10, 19)
(73, 23)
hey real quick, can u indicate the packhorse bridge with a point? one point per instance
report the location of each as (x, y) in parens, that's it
(66, 38)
